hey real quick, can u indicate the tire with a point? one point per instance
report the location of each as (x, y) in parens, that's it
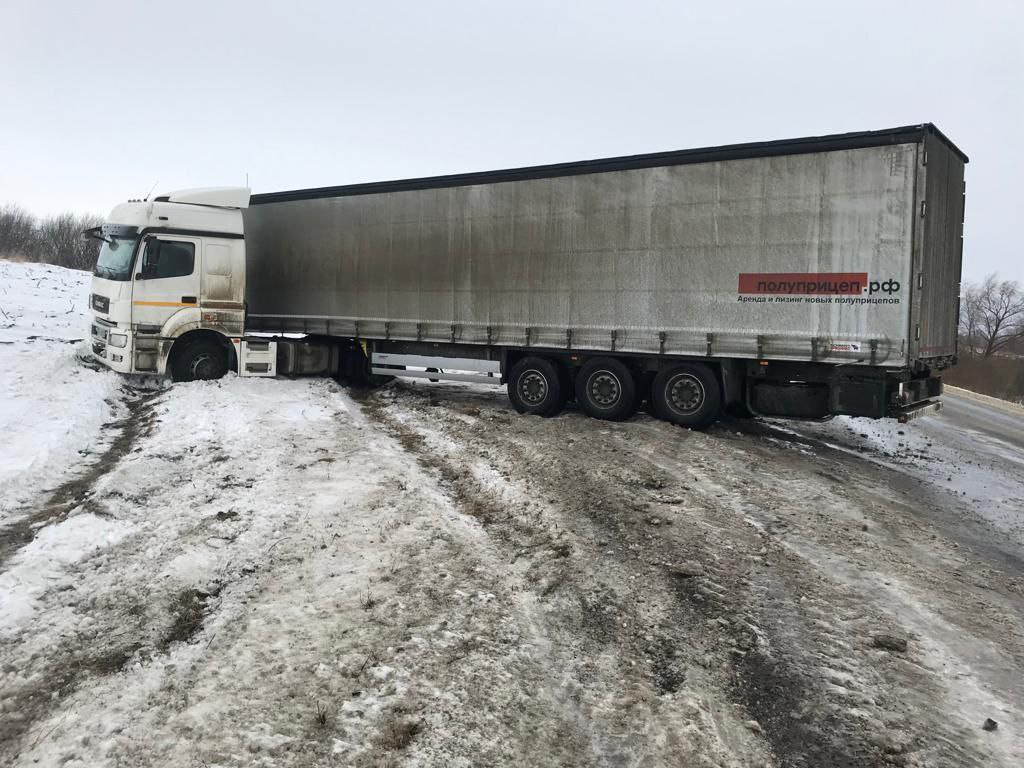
(687, 394)
(605, 389)
(535, 387)
(355, 370)
(200, 360)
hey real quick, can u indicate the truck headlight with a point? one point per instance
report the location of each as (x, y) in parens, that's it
(117, 340)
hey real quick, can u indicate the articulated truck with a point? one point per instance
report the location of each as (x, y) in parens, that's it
(800, 278)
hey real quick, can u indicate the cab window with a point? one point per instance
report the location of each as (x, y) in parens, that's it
(168, 258)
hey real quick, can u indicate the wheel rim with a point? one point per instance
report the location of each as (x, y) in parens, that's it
(685, 393)
(604, 389)
(533, 387)
(204, 366)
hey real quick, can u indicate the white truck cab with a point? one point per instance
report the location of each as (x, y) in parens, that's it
(169, 285)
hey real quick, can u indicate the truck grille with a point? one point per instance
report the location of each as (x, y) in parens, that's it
(100, 303)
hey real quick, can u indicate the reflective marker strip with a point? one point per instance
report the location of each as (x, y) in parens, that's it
(161, 304)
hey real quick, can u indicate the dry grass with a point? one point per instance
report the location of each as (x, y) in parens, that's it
(187, 608)
(369, 601)
(321, 715)
(397, 733)
(1001, 377)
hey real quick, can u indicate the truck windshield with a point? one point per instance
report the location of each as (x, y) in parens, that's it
(115, 261)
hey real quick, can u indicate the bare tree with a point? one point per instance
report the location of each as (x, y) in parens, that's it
(992, 315)
(970, 314)
(56, 240)
(61, 241)
(17, 232)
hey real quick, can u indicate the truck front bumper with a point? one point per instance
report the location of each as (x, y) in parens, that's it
(111, 345)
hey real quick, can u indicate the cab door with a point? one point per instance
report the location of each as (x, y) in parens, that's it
(166, 282)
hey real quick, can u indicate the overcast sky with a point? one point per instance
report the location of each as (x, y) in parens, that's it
(100, 100)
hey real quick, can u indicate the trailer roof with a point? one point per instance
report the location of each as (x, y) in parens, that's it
(810, 144)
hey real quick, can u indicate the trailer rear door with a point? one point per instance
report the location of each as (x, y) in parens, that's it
(937, 271)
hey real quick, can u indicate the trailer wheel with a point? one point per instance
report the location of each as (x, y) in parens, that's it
(605, 389)
(535, 387)
(199, 360)
(687, 394)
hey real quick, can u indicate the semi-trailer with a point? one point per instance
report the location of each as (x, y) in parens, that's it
(799, 278)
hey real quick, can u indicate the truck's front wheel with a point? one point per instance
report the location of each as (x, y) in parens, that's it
(199, 360)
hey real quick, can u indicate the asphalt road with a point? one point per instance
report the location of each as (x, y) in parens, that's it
(985, 421)
(965, 465)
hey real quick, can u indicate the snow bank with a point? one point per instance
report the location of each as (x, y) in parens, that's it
(1017, 409)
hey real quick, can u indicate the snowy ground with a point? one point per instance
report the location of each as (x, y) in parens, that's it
(284, 573)
(46, 430)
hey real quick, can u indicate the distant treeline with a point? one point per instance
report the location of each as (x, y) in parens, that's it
(53, 240)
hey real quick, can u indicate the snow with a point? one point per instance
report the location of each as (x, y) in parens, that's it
(272, 505)
(270, 572)
(231, 511)
(41, 564)
(52, 409)
(971, 451)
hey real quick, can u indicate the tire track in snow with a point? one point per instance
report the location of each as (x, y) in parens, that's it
(807, 671)
(113, 627)
(77, 491)
(600, 602)
(24, 705)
